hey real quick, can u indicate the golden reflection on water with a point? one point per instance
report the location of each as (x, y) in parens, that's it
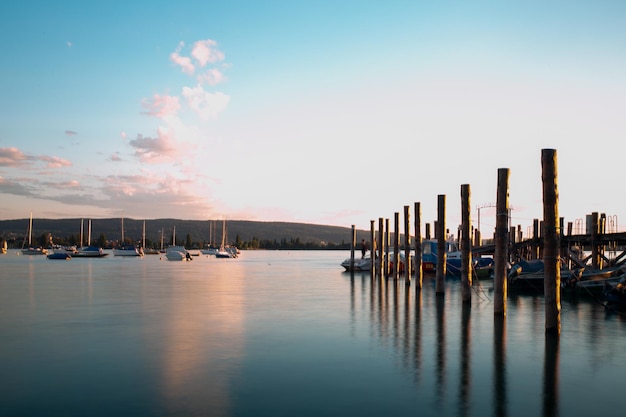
(203, 344)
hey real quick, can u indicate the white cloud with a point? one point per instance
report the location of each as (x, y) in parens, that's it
(206, 105)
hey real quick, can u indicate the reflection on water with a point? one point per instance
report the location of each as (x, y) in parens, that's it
(551, 376)
(499, 368)
(284, 334)
(428, 327)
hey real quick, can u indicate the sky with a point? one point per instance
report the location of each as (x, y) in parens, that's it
(323, 112)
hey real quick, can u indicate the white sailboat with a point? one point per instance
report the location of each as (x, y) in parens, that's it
(88, 251)
(177, 252)
(146, 251)
(30, 250)
(210, 250)
(223, 251)
(126, 249)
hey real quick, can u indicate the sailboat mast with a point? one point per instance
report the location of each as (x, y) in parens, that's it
(30, 229)
(88, 233)
(81, 233)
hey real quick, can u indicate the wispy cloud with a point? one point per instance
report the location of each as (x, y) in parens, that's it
(13, 157)
(212, 76)
(16, 188)
(115, 157)
(161, 106)
(203, 52)
(55, 161)
(70, 133)
(207, 105)
(154, 150)
(182, 61)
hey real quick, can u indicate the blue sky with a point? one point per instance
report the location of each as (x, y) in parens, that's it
(329, 112)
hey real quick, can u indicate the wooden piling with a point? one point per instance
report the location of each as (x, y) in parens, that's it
(596, 261)
(441, 245)
(387, 240)
(352, 245)
(418, 247)
(381, 248)
(535, 247)
(407, 245)
(552, 277)
(396, 245)
(501, 240)
(372, 247)
(466, 243)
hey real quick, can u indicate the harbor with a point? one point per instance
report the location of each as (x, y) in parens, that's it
(283, 333)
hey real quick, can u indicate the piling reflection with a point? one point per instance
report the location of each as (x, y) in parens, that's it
(499, 374)
(551, 376)
(465, 383)
(423, 328)
(440, 372)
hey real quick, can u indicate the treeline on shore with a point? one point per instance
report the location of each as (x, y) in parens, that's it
(194, 234)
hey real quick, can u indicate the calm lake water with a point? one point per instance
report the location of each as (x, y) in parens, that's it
(276, 333)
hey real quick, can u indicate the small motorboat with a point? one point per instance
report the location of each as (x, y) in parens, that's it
(360, 264)
(59, 255)
(177, 253)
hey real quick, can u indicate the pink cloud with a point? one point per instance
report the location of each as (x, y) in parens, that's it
(182, 61)
(70, 133)
(55, 161)
(211, 77)
(206, 52)
(154, 150)
(161, 106)
(12, 157)
(206, 105)
(115, 157)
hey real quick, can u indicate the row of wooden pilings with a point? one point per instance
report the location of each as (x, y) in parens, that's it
(380, 244)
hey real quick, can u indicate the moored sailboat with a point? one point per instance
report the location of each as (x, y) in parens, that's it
(30, 250)
(126, 249)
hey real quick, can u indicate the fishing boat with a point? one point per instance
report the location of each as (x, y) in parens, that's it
(30, 250)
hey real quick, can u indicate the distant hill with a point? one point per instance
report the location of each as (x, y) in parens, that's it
(199, 231)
